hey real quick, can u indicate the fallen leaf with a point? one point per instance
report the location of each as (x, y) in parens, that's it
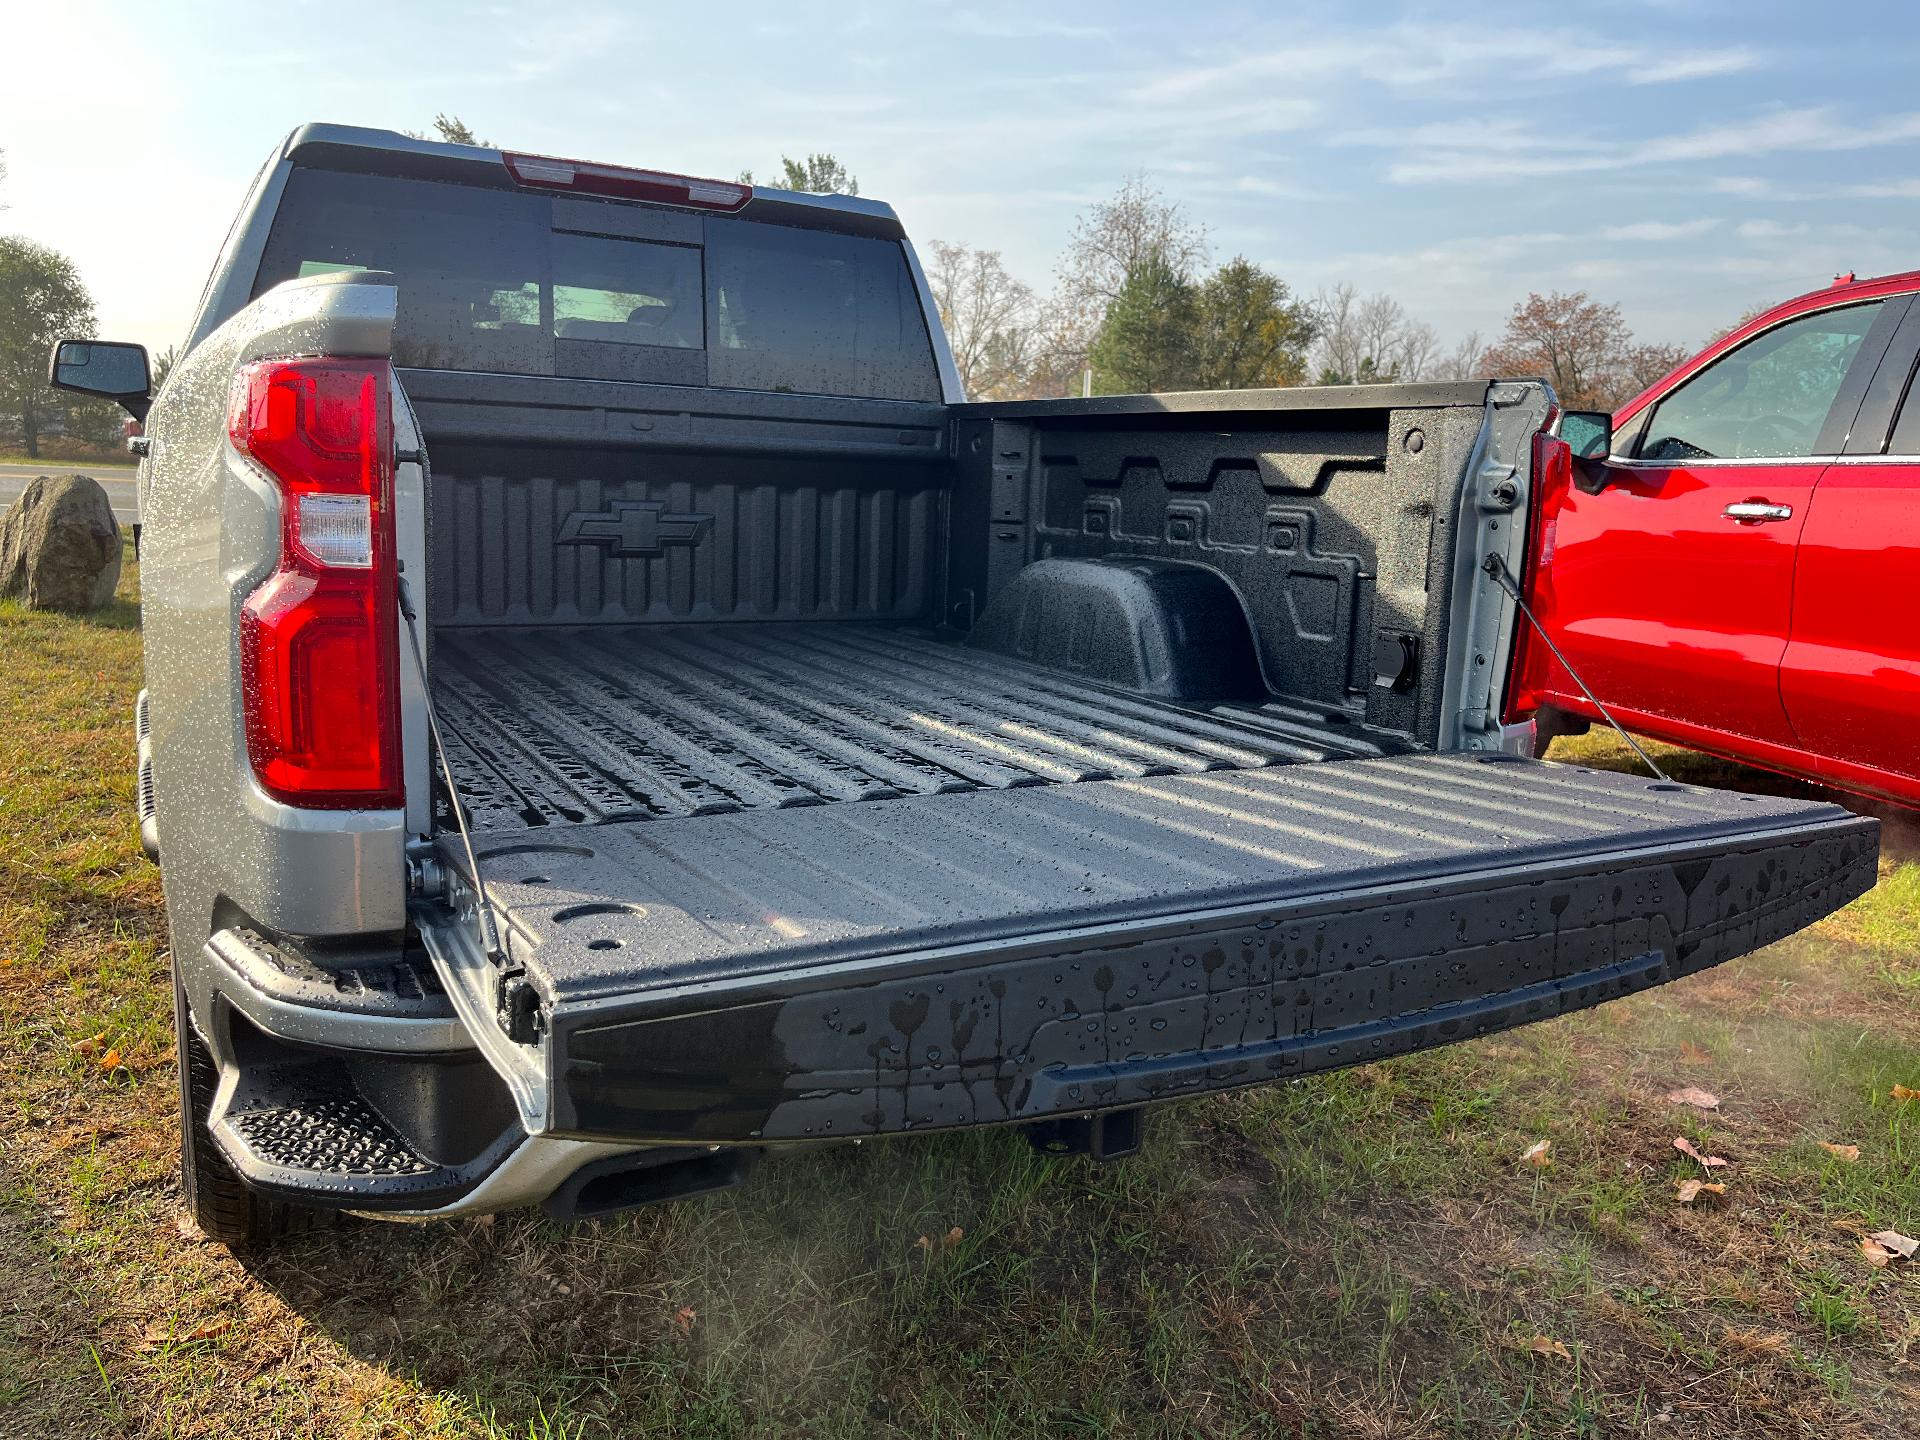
(1536, 1154)
(1848, 1153)
(683, 1319)
(1877, 1254)
(110, 1060)
(1542, 1345)
(1893, 1240)
(1686, 1147)
(1757, 1342)
(1901, 1092)
(1693, 1095)
(88, 1045)
(1692, 1054)
(159, 1334)
(1691, 1190)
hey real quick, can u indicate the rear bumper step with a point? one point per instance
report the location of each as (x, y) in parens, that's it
(942, 961)
(302, 1129)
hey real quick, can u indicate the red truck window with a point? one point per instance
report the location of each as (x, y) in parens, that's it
(1768, 399)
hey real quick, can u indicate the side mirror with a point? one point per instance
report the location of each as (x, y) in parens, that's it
(108, 369)
(1589, 434)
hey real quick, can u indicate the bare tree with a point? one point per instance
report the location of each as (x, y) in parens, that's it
(1462, 362)
(992, 320)
(1368, 337)
(1115, 239)
(1063, 340)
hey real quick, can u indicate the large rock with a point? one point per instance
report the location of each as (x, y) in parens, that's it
(60, 545)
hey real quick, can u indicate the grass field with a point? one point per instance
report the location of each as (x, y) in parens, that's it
(1360, 1254)
(103, 457)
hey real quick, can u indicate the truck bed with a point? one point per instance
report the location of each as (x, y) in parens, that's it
(604, 724)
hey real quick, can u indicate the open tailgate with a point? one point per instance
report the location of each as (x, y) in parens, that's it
(1007, 955)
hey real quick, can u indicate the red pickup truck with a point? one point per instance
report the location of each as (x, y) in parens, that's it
(1733, 562)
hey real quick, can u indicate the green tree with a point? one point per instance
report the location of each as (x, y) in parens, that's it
(1148, 340)
(41, 300)
(453, 130)
(1368, 339)
(821, 174)
(1248, 331)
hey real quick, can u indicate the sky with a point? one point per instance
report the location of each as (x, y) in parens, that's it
(1687, 161)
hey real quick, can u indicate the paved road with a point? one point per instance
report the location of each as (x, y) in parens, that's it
(117, 479)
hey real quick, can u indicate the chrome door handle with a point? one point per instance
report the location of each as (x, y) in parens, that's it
(1757, 512)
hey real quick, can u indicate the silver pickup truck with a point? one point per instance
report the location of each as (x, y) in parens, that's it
(614, 710)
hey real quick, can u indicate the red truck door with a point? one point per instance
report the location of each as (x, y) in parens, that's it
(1671, 589)
(1850, 678)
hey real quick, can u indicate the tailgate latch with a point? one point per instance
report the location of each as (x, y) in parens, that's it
(517, 1006)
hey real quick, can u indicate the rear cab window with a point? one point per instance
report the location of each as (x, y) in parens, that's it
(509, 282)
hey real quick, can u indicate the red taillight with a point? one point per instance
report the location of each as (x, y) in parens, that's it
(1530, 673)
(579, 177)
(319, 654)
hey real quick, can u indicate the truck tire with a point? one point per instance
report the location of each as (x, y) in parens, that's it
(220, 1202)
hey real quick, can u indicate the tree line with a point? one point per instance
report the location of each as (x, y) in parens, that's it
(1137, 306)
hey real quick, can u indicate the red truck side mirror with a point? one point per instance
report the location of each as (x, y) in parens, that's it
(1589, 434)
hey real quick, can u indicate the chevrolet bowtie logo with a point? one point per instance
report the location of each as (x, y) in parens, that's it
(633, 529)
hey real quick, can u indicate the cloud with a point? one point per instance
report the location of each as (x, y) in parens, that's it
(1807, 129)
(1446, 56)
(1659, 230)
(1021, 27)
(1752, 188)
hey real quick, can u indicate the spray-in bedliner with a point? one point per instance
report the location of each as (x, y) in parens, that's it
(557, 727)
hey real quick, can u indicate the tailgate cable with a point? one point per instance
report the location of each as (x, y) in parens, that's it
(1496, 566)
(483, 904)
